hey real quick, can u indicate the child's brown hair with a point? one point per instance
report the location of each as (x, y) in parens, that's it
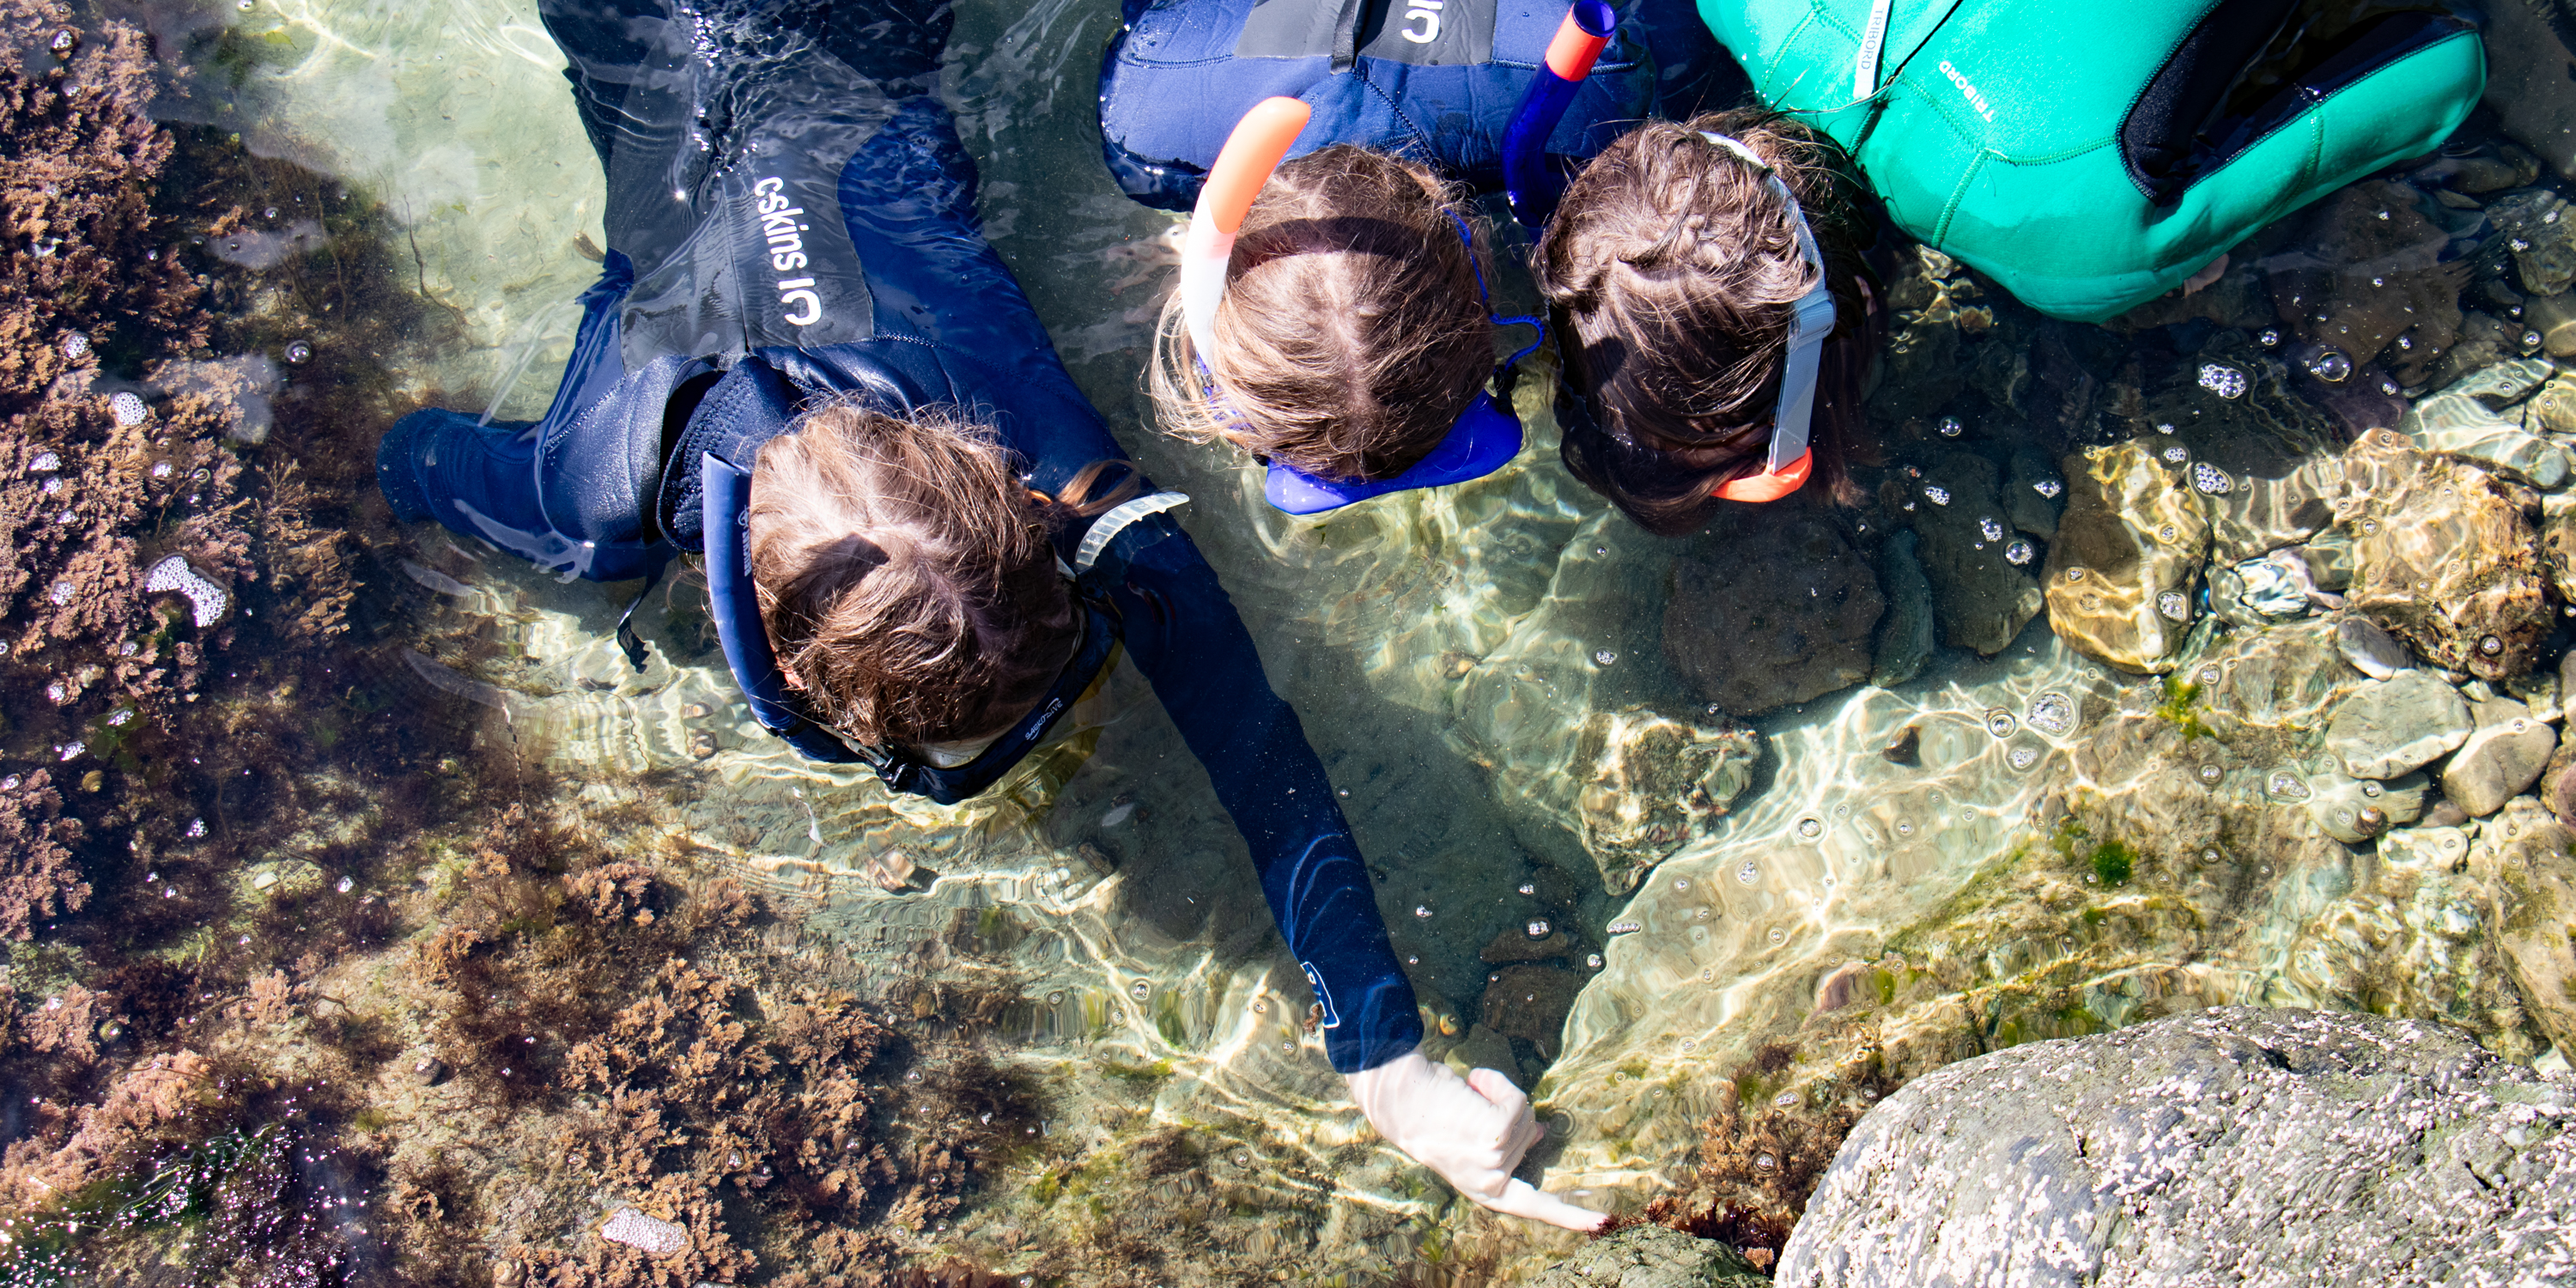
(1672, 268)
(906, 575)
(1352, 332)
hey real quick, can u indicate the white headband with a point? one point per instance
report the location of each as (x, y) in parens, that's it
(1812, 321)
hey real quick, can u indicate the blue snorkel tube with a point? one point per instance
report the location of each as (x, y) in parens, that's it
(1529, 181)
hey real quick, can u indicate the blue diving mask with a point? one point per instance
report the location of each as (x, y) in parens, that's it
(736, 609)
(1484, 438)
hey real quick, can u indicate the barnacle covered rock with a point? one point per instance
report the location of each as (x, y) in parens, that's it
(2205, 1142)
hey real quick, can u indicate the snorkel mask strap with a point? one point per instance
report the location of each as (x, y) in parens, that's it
(1262, 137)
(1811, 320)
(1529, 182)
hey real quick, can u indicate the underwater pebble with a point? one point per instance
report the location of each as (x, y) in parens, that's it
(173, 574)
(2211, 480)
(636, 1230)
(128, 409)
(2372, 651)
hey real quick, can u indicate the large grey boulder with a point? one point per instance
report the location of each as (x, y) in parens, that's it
(2232, 1146)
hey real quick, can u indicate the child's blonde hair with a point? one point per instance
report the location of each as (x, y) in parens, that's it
(1352, 332)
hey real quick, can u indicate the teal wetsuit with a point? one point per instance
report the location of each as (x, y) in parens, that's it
(2091, 157)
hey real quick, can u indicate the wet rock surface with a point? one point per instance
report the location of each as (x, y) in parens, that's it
(2504, 754)
(1981, 599)
(2390, 726)
(2383, 289)
(2124, 572)
(2531, 904)
(2233, 1145)
(1650, 1256)
(2443, 558)
(1786, 617)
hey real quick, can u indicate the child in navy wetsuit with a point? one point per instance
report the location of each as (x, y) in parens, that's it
(1353, 343)
(804, 361)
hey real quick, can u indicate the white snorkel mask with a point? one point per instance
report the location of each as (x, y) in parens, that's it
(1812, 319)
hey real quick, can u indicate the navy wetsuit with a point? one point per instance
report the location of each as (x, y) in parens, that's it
(791, 215)
(1434, 81)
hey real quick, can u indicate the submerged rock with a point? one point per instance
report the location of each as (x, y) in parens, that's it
(2390, 726)
(2355, 810)
(1905, 630)
(2123, 574)
(2467, 426)
(1787, 616)
(1652, 1256)
(2553, 409)
(2443, 558)
(1530, 1002)
(2235, 1145)
(2531, 904)
(2503, 755)
(2372, 651)
(2540, 236)
(2253, 514)
(1981, 598)
(2375, 278)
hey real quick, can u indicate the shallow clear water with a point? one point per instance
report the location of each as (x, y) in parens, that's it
(1776, 911)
